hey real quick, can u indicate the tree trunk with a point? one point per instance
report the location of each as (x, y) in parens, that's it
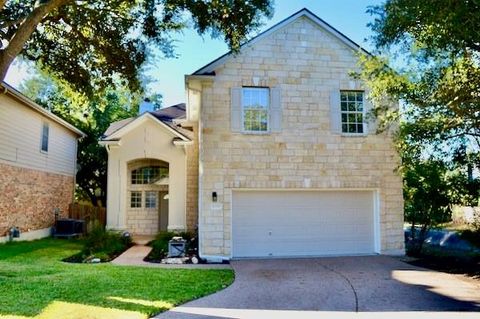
(2, 4)
(24, 32)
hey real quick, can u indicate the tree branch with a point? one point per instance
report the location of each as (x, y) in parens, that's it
(24, 32)
(2, 4)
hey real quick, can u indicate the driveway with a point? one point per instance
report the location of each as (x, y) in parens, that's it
(340, 287)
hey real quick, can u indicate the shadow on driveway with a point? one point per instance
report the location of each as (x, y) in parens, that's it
(340, 287)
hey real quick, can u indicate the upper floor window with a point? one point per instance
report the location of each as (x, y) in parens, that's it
(255, 108)
(352, 111)
(45, 133)
(148, 175)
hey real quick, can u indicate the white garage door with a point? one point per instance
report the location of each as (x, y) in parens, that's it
(302, 223)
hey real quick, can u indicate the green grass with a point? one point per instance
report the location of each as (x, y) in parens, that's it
(32, 277)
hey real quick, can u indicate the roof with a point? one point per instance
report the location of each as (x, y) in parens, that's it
(9, 90)
(165, 115)
(174, 112)
(209, 69)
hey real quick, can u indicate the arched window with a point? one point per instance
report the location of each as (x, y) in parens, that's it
(149, 174)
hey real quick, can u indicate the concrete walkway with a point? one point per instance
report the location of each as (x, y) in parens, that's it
(134, 257)
(341, 287)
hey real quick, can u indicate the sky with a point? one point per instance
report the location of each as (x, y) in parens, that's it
(194, 51)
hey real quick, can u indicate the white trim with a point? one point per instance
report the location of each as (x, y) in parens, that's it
(26, 101)
(377, 232)
(140, 120)
(203, 78)
(302, 13)
(364, 113)
(182, 143)
(30, 235)
(243, 131)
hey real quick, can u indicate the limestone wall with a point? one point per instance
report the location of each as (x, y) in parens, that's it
(307, 63)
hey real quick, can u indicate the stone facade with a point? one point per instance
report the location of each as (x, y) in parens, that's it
(146, 221)
(28, 197)
(307, 64)
(192, 182)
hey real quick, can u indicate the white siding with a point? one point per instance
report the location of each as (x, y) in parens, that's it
(20, 139)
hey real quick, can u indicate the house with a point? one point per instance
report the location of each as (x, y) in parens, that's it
(275, 147)
(38, 153)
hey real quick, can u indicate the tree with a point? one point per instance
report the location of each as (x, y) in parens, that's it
(92, 116)
(427, 56)
(434, 45)
(91, 43)
(427, 198)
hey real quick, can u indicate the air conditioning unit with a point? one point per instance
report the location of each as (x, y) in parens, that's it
(177, 247)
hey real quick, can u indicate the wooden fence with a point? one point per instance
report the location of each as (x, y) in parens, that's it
(88, 213)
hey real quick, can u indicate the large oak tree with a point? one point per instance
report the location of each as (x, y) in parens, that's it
(428, 57)
(92, 43)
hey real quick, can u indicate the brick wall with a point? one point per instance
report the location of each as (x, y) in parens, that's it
(28, 197)
(307, 63)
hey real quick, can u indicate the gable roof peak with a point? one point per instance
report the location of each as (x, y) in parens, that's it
(209, 69)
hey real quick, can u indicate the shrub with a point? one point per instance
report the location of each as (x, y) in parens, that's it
(102, 244)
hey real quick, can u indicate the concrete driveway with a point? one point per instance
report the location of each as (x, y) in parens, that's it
(340, 287)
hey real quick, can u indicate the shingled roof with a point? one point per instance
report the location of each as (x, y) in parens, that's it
(166, 115)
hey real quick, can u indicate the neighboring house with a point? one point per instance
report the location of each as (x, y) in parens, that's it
(38, 152)
(287, 163)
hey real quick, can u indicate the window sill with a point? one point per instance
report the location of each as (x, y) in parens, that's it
(255, 133)
(354, 134)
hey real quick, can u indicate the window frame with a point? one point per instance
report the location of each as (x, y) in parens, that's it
(364, 126)
(242, 106)
(43, 142)
(156, 199)
(137, 176)
(141, 199)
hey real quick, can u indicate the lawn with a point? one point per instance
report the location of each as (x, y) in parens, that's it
(34, 282)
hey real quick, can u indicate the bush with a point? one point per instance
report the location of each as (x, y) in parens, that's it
(102, 244)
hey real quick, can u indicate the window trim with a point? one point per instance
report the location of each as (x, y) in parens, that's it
(365, 127)
(268, 131)
(141, 199)
(42, 135)
(156, 199)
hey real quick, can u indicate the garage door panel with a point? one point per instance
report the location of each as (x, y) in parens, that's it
(280, 223)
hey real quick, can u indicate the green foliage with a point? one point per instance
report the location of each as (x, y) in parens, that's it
(91, 44)
(92, 116)
(33, 277)
(101, 244)
(436, 74)
(427, 58)
(427, 194)
(434, 25)
(105, 244)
